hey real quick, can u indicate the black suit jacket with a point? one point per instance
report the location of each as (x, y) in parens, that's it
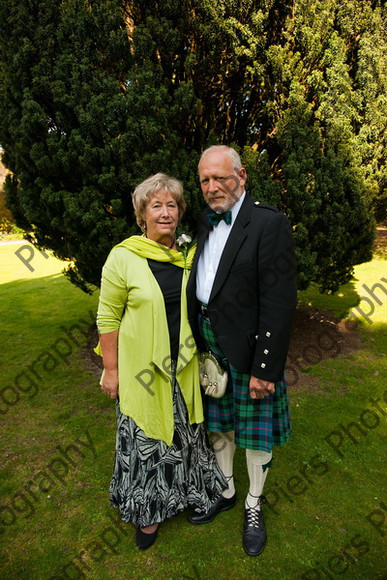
(253, 299)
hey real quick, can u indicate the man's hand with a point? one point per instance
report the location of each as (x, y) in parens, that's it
(260, 388)
(110, 383)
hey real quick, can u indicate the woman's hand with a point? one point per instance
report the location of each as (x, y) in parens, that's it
(110, 383)
(109, 349)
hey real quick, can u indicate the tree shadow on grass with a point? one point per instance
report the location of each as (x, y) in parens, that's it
(338, 305)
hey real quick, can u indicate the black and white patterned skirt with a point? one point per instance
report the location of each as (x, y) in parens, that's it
(152, 481)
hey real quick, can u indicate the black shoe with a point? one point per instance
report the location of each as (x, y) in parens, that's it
(143, 540)
(221, 505)
(254, 532)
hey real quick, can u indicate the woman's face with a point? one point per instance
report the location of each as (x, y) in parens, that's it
(161, 217)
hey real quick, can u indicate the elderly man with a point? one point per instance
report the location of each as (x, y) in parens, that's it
(242, 294)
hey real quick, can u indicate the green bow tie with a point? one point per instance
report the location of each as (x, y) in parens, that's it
(214, 218)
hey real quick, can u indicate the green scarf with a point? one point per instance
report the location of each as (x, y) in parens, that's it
(147, 248)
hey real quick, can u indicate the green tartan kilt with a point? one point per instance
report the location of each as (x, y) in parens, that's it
(257, 423)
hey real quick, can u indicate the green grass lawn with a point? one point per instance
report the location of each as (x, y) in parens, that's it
(325, 491)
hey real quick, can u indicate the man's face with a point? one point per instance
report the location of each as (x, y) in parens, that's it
(221, 183)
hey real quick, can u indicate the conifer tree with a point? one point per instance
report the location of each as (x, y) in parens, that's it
(95, 95)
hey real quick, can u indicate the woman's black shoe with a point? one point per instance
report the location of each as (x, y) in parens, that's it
(144, 541)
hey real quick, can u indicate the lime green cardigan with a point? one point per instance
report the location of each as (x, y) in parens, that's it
(131, 301)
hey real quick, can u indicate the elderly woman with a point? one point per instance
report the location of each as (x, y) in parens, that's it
(163, 461)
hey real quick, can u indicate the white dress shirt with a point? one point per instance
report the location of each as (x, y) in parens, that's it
(211, 254)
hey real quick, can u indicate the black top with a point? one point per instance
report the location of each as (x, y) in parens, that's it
(169, 278)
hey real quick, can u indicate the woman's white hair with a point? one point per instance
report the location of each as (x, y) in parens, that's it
(159, 183)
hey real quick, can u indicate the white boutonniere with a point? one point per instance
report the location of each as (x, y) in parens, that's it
(184, 243)
(183, 240)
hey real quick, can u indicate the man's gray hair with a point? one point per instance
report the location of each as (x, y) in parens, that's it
(232, 154)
